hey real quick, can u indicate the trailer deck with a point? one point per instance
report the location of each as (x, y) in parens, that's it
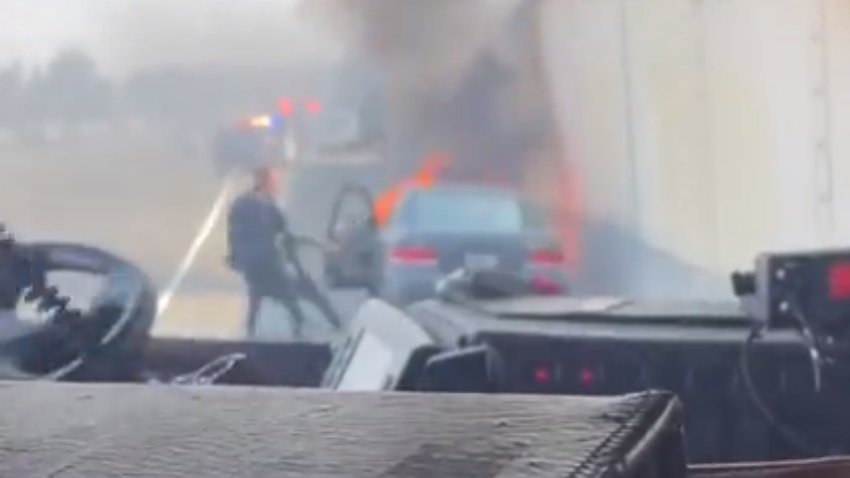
(75, 430)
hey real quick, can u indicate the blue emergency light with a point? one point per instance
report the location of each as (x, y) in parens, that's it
(277, 121)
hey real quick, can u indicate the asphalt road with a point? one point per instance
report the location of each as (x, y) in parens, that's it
(146, 202)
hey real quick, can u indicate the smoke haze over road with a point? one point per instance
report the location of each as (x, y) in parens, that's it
(126, 35)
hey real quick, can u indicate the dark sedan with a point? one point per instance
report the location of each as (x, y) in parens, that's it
(435, 231)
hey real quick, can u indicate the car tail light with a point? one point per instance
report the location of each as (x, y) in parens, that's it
(547, 257)
(413, 255)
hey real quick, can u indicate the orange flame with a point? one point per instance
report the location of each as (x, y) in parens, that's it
(426, 177)
(569, 215)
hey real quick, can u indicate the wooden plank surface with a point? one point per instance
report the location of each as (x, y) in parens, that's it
(66, 430)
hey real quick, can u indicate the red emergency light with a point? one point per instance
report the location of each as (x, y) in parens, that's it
(313, 106)
(284, 106)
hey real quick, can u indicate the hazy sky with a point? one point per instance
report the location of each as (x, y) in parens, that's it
(126, 34)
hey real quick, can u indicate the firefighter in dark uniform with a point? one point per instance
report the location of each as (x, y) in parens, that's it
(257, 228)
(21, 269)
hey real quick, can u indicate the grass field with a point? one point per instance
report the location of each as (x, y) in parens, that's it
(146, 202)
(140, 200)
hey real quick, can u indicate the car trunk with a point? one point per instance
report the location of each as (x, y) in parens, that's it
(502, 251)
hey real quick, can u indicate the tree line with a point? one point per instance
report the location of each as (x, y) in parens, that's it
(71, 91)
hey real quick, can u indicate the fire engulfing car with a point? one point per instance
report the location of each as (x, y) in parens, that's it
(434, 231)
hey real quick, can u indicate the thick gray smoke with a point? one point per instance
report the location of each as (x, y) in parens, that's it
(424, 46)
(202, 32)
(444, 80)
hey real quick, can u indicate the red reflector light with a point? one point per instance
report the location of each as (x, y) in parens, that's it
(543, 374)
(544, 286)
(586, 377)
(839, 281)
(414, 255)
(547, 257)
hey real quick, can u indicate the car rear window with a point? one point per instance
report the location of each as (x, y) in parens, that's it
(468, 211)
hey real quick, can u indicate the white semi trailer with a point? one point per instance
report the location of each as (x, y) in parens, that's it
(703, 131)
